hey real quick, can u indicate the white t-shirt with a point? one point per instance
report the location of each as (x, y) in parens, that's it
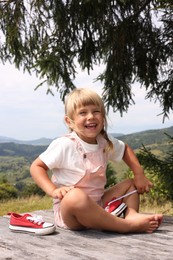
(64, 159)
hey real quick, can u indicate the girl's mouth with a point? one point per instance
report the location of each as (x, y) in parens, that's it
(91, 126)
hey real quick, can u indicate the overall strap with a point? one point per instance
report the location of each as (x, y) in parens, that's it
(73, 136)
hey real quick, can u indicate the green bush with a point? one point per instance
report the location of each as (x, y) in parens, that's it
(158, 192)
(110, 175)
(7, 191)
(32, 189)
(160, 170)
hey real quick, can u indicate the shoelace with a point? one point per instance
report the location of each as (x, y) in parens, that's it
(37, 219)
(127, 194)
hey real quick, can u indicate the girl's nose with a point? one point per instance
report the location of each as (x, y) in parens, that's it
(90, 115)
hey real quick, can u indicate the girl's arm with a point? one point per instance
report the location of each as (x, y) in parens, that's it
(39, 173)
(141, 182)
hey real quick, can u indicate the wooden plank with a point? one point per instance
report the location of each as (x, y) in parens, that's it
(91, 244)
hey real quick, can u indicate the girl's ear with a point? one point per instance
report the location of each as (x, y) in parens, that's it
(68, 121)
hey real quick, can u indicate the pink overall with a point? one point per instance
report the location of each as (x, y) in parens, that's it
(94, 179)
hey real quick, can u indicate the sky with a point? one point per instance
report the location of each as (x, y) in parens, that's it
(28, 114)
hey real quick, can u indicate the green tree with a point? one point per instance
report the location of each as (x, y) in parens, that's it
(161, 168)
(51, 37)
(110, 175)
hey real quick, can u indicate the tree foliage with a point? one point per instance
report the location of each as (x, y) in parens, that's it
(52, 37)
(162, 168)
(110, 175)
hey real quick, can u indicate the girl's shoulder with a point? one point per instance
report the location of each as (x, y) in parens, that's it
(62, 141)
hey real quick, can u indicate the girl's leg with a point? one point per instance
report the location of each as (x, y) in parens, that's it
(132, 201)
(120, 189)
(79, 211)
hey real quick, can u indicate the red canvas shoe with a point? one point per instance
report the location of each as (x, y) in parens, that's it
(115, 207)
(30, 224)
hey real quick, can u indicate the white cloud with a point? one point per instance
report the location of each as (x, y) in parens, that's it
(27, 114)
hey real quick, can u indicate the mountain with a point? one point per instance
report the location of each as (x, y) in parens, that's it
(40, 141)
(135, 140)
(21, 150)
(148, 138)
(116, 135)
(155, 139)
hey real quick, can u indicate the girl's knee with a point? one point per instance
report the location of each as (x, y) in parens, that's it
(74, 198)
(130, 182)
(73, 203)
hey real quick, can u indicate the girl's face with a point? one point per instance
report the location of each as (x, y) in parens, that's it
(87, 122)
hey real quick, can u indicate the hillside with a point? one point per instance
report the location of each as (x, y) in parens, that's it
(22, 150)
(40, 141)
(150, 138)
(135, 140)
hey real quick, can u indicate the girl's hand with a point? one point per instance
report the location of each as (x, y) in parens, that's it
(142, 183)
(59, 193)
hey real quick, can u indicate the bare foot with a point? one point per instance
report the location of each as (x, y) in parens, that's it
(143, 222)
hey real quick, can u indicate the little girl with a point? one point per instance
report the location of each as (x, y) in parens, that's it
(78, 162)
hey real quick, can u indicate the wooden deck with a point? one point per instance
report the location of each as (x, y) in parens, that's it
(64, 244)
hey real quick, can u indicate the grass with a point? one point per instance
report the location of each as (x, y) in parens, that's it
(164, 208)
(35, 202)
(22, 205)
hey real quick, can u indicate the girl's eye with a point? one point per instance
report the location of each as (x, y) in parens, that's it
(82, 113)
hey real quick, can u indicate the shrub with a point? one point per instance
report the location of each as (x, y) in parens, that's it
(7, 191)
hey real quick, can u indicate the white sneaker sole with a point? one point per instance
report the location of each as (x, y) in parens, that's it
(118, 211)
(36, 231)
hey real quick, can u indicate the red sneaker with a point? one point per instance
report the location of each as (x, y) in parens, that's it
(115, 207)
(30, 224)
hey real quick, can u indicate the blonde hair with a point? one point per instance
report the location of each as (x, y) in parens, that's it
(84, 97)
